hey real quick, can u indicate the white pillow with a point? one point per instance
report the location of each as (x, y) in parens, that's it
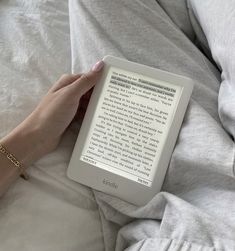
(217, 19)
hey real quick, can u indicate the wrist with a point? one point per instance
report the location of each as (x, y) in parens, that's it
(25, 143)
(19, 145)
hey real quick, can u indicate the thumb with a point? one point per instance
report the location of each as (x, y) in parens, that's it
(88, 80)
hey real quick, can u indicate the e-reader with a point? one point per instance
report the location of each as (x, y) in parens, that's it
(129, 130)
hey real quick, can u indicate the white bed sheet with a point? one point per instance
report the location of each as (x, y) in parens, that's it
(48, 212)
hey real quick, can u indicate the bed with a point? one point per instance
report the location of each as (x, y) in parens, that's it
(39, 41)
(48, 212)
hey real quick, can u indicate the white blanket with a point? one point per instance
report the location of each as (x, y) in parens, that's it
(48, 212)
(194, 211)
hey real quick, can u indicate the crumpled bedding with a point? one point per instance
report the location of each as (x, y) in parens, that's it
(194, 211)
(48, 212)
(40, 40)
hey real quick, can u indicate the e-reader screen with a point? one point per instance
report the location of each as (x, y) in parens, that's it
(131, 124)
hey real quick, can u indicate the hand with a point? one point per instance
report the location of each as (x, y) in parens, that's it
(42, 130)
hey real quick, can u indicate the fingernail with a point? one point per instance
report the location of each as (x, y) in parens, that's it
(98, 66)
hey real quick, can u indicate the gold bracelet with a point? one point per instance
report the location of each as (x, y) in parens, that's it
(14, 161)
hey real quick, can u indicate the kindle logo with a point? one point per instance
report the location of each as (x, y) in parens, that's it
(109, 183)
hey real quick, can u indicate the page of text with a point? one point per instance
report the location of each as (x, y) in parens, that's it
(130, 125)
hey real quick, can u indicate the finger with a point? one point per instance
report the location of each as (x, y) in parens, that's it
(87, 80)
(65, 80)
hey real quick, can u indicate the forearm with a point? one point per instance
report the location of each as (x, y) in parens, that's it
(8, 174)
(42, 130)
(23, 143)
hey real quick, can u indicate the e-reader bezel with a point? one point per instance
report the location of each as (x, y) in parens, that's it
(108, 182)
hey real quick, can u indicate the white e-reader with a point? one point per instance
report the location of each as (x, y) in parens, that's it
(129, 130)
